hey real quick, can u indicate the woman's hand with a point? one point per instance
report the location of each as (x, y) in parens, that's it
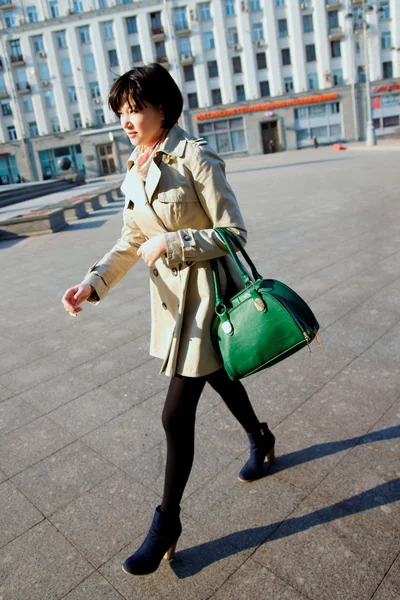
(151, 250)
(75, 296)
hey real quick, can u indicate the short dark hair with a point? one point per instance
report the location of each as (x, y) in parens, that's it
(150, 84)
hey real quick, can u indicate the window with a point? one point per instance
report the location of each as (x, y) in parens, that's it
(264, 88)
(233, 37)
(335, 49)
(317, 110)
(386, 40)
(78, 6)
(180, 18)
(254, 5)
(54, 10)
(49, 98)
(204, 11)
(240, 93)
(387, 70)
(257, 32)
(33, 16)
(333, 19)
(261, 60)
(15, 48)
(208, 40)
(288, 84)
(386, 10)
(61, 39)
(337, 77)
(361, 74)
(156, 22)
(28, 105)
(77, 120)
(237, 64)
(33, 129)
(108, 30)
(131, 25)
(229, 7)
(84, 33)
(310, 53)
(12, 134)
(136, 54)
(216, 96)
(160, 50)
(100, 120)
(38, 43)
(377, 123)
(286, 56)
(55, 125)
(72, 94)
(44, 71)
(9, 18)
(95, 89)
(225, 136)
(390, 100)
(113, 58)
(66, 67)
(188, 73)
(184, 45)
(313, 81)
(102, 3)
(6, 108)
(308, 25)
(334, 108)
(90, 65)
(280, 2)
(212, 66)
(282, 27)
(193, 101)
(391, 121)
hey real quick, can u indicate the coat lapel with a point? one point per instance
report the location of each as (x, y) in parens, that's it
(152, 179)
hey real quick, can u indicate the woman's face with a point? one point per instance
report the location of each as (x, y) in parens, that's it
(143, 127)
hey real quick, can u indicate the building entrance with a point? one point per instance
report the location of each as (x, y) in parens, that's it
(106, 159)
(270, 137)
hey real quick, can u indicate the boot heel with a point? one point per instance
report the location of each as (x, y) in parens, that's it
(271, 456)
(169, 555)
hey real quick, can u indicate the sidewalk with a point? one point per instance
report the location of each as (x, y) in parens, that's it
(82, 447)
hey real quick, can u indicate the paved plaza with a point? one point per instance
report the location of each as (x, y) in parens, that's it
(82, 448)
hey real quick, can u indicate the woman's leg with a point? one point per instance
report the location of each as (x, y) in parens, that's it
(235, 397)
(178, 419)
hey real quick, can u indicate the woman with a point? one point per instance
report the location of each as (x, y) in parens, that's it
(175, 194)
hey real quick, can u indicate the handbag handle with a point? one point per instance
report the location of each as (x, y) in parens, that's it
(229, 238)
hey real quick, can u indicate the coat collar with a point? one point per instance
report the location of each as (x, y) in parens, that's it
(173, 145)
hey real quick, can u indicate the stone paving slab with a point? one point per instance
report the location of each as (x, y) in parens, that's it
(17, 514)
(390, 587)
(95, 586)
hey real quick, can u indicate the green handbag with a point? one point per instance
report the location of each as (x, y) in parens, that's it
(262, 324)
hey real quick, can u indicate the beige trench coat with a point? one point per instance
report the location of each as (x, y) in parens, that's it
(184, 197)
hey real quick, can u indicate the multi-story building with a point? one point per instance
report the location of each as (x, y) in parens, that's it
(251, 71)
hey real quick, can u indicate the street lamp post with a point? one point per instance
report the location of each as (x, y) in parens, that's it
(370, 137)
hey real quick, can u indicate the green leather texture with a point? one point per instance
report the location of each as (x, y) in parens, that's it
(260, 325)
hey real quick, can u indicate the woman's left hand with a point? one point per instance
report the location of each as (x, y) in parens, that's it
(151, 250)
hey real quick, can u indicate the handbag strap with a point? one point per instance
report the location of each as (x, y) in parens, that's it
(229, 238)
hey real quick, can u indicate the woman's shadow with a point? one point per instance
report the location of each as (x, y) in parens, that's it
(189, 562)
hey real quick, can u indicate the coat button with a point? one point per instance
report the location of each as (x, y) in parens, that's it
(155, 272)
(174, 271)
(186, 238)
(164, 306)
(189, 263)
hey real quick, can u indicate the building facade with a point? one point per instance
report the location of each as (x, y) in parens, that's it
(256, 75)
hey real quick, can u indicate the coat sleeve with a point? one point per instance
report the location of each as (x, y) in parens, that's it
(219, 203)
(106, 273)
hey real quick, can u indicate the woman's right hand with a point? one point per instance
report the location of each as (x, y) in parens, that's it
(75, 296)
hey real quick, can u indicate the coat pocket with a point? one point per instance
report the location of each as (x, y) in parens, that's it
(177, 195)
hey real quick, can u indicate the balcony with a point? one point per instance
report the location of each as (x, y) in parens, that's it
(304, 5)
(163, 61)
(335, 33)
(333, 4)
(17, 59)
(23, 87)
(7, 4)
(182, 29)
(187, 58)
(158, 34)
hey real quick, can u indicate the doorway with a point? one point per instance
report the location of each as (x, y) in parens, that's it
(270, 137)
(106, 159)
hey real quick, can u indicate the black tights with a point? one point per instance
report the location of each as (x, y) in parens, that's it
(178, 420)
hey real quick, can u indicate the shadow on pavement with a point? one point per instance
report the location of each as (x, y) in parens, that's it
(189, 562)
(271, 167)
(85, 225)
(11, 242)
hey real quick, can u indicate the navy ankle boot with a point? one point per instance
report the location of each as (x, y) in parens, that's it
(160, 542)
(262, 447)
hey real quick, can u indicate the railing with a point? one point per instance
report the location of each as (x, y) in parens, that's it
(157, 30)
(16, 58)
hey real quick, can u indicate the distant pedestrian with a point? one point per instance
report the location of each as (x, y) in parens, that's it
(271, 146)
(315, 141)
(176, 194)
